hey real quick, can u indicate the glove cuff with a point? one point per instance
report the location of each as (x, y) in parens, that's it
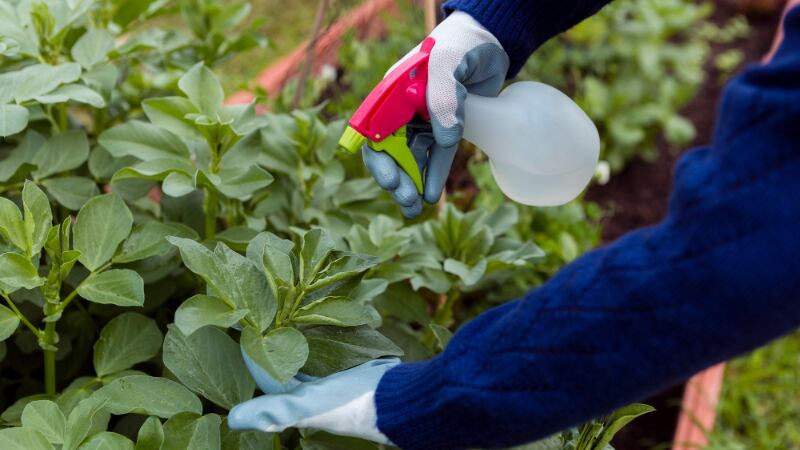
(513, 30)
(407, 407)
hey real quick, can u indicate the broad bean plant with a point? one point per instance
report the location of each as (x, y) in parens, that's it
(152, 236)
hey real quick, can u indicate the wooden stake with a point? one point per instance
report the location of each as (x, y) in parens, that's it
(430, 15)
(309, 63)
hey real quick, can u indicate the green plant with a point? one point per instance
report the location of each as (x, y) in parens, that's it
(563, 233)
(631, 67)
(151, 233)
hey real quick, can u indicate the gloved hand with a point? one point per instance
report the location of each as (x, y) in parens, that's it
(342, 403)
(466, 58)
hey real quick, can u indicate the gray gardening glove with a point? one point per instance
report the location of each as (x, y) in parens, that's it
(466, 58)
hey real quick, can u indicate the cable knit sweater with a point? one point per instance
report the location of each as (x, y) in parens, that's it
(720, 275)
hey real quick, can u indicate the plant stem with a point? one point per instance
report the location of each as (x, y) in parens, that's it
(210, 211)
(63, 305)
(63, 120)
(50, 359)
(444, 314)
(37, 332)
(309, 62)
(276, 442)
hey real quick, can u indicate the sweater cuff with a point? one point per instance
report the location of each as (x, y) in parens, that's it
(407, 401)
(508, 21)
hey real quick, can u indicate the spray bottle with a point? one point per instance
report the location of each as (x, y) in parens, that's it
(542, 148)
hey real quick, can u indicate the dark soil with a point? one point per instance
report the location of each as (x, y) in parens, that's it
(638, 197)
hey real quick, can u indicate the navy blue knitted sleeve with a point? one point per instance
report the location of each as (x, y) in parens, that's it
(720, 275)
(522, 26)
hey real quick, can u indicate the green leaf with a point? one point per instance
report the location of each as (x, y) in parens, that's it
(92, 47)
(13, 119)
(170, 113)
(61, 152)
(151, 435)
(71, 192)
(38, 217)
(23, 439)
(442, 334)
(155, 169)
(237, 237)
(102, 223)
(344, 265)
(241, 182)
(88, 417)
(45, 417)
(9, 321)
(246, 440)
(334, 349)
(209, 363)
(281, 353)
(143, 394)
(126, 340)
(274, 256)
(13, 414)
(468, 275)
(503, 219)
(202, 310)
(385, 238)
(246, 152)
(102, 78)
(679, 130)
(17, 272)
(122, 287)
(39, 79)
(317, 245)
(320, 440)
(18, 162)
(12, 225)
(188, 431)
(75, 92)
(126, 11)
(178, 184)
(149, 239)
(619, 419)
(338, 311)
(103, 164)
(203, 89)
(232, 277)
(433, 279)
(142, 140)
(107, 440)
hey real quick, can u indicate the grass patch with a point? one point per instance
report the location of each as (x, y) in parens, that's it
(760, 404)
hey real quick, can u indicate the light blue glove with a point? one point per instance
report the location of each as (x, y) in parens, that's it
(343, 403)
(466, 58)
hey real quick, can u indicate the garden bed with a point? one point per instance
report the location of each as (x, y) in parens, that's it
(136, 308)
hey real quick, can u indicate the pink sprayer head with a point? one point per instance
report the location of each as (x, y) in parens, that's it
(393, 102)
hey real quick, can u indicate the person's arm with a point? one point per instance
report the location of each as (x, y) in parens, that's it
(720, 275)
(522, 26)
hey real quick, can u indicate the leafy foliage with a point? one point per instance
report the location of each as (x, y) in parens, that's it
(154, 240)
(631, 67)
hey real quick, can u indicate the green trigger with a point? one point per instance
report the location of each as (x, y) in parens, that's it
(396, 146)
